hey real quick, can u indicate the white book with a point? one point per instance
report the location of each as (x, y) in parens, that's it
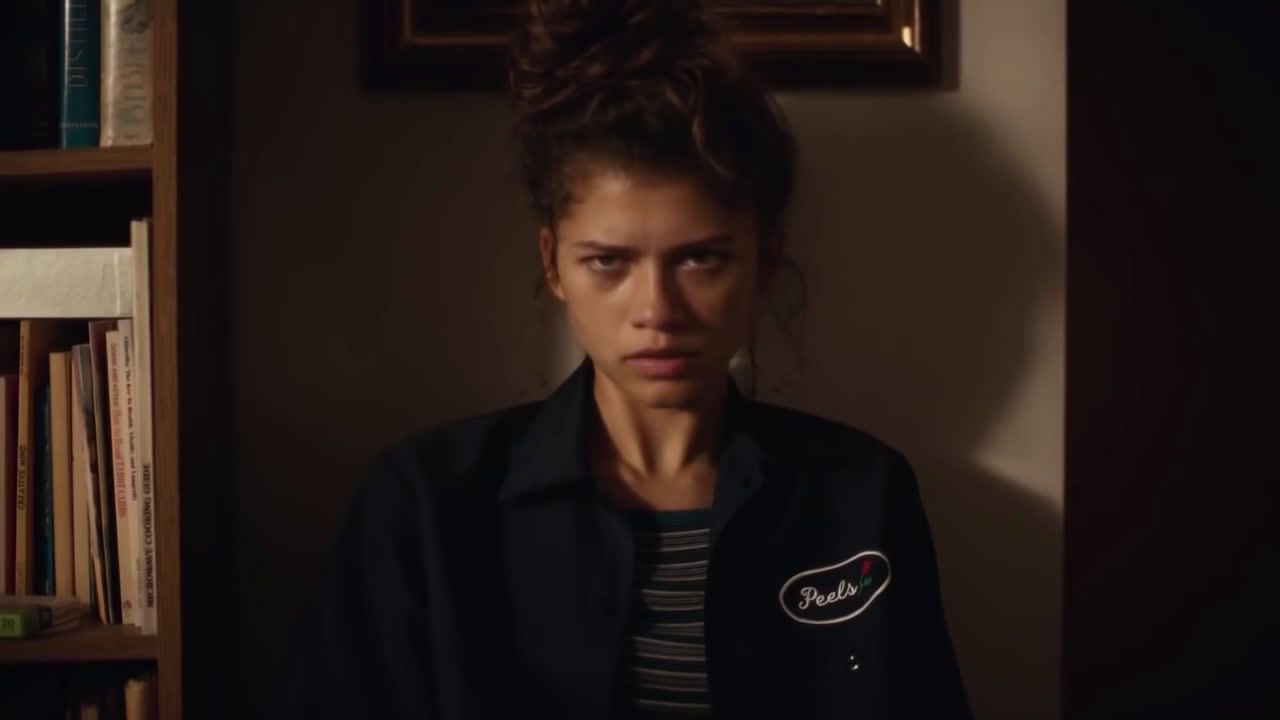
(128, 397)
(140, 236)
(125, 565)
(127, 88)
(66, 282)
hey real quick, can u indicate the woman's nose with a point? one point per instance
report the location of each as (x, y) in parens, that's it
(656, 303)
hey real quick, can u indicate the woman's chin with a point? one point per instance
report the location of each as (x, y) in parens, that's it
(672, 393)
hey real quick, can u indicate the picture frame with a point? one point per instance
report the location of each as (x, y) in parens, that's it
(461, 44)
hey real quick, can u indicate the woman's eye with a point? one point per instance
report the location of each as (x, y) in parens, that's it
(707, 259)
(702, 260)
(604, 263)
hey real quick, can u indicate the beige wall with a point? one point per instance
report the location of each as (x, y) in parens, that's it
(383, 264)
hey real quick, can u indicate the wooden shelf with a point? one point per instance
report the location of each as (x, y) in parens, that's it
(75, 165)
(86, 198)
(89, 643)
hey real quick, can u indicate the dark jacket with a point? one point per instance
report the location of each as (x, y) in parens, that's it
(481, 574)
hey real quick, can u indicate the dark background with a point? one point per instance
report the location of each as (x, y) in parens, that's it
(1170, 568)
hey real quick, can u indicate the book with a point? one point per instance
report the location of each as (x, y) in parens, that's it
(23, 508)
(27, 615)
(80, 73)
(127, 89)
(60, 444)
(10, 113)
(125, 563)
(78, 282)
(36, 339)
(8, 447)
(87, 446)
(141, 698)
(81, 569)
(8, 473)
(129, 431)
(140, 239)
(30, 55)
(110, 599)
(44, 499)
(8, 346)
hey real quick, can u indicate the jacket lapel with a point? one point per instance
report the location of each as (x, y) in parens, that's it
(568, 559)
(569, 554)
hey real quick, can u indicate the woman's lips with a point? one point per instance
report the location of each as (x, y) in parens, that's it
(662, 366)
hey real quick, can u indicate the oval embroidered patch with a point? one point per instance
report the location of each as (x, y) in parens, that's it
(836, 593)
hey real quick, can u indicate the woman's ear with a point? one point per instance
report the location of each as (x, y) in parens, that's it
(547, 250)
(770, 261)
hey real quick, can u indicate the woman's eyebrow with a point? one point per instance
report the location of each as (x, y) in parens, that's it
(717, 239)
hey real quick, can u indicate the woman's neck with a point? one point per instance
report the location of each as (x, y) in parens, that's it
(655, 457)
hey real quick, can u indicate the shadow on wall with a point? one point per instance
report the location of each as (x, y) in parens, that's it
(929, 262)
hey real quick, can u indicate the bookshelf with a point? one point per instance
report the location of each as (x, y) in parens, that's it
(179, 181)
(90, 643)
(18, 167)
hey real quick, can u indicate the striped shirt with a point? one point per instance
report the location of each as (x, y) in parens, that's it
(664, 667)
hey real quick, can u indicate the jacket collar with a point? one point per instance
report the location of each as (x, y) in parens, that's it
(551, 452)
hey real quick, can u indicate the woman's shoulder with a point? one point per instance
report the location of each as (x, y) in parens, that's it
(835, 459)
(461, 442)
(789, 433)
(451, 456)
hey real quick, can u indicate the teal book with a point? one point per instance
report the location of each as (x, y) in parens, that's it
(81, 73)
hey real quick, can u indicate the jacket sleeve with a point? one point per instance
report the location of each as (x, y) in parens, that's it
(927, 677)
(359, 648)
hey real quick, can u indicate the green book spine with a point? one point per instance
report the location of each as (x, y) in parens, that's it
(81, 72)
(23, 622)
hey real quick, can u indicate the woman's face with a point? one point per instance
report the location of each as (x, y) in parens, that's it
(648, 262)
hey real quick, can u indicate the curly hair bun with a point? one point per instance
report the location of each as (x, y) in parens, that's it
(570, 47)
(647, 84)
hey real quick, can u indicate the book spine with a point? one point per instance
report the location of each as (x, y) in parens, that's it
(129, 413)
(141, 698)
(23, 553)
(124, 552)
(80, 537)
(36, 339)
(140, 239)
(9, 87)
(81, 74)
(44, 504)
(24, 622)
(34, 36)
(64, 570)
(110, 600)
(100, 596)
(127, 88)
(8, 471)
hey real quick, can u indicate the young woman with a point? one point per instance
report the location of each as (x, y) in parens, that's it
(647, 541)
